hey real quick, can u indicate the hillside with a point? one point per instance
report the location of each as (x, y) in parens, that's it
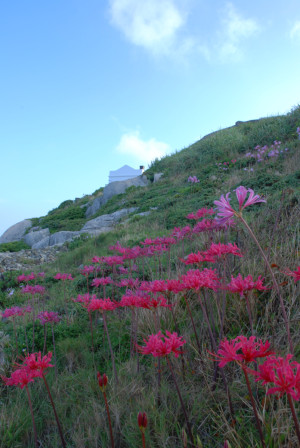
(205, 295)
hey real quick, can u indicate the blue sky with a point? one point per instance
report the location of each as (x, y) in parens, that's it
(88, 86)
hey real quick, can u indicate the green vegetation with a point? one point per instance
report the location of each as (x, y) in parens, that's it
(14, 246)
(78, 399)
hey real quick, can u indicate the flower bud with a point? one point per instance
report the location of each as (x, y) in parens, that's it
(142, 421)
(227, 444)
(102, 380)
(184, 438)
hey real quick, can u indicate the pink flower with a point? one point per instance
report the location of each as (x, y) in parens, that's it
(196, 279)
(295, 274)
(60, 276)
(38, 364)
(242, 350)
(241, 285)
(113, 260)
(199, 257)
(20, 378)
(181, 233)
(159, 345)
(26, 278)
(87, 270)
(84, 299)
(102, 305)
(48, 316)
(102, 281)
(218, 250)
(283, 373)
(36, 289)
(131, 299)
(201, 213)
(225, 211)
(129, 283)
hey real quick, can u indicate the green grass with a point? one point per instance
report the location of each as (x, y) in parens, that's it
(79, 402)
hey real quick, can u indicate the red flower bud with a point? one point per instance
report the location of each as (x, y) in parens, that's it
(142, 421)
(102, 380)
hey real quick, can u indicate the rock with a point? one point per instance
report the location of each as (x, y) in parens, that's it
(42, 243)
(157, 177)
(113, 189)
(34, 229)
(29, 259)
(105, 223)
(15, 232)
(34, 237)
(61, 237)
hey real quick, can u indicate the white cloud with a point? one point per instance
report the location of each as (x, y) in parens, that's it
(145, 151)
(151, 24)
(295, 31)
(235, 29)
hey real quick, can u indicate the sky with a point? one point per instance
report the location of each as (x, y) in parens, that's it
(87, 86)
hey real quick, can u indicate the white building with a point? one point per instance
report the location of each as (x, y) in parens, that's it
(124, 173)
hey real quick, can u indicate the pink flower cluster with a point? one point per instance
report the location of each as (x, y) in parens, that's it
(60, 276)
(48, 317)
(283, 373)
(16, 311)
(193, 180)
(34, 366)
(242, 350)
(241, 285)
(36, 289)
(160, 345)
(261, 153)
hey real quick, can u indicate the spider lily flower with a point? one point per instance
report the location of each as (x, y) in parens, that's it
(102, 380)
(159, 345)
(295, 274)
(60, 276)
(240, 285)
(284, 373)
(242, 350)
(225, 211)
(201, 213)
(220, 250)
(20, 378)
(48, 316)
(142, 421)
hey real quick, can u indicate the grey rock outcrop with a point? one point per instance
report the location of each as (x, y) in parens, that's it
(55, 239)
(62, 237)
(34, 237)
(105, 223)
(113, 189)
(15, 232)
(157, 177)
(42, 243)
(29, 258)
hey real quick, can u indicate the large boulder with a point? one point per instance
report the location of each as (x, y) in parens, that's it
(42, 244)
(57, 238)
(34, 237)
(15, 232)
(113, 189)
(105, 223)
(62, 237)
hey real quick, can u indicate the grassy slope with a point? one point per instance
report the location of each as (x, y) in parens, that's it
(77, 397)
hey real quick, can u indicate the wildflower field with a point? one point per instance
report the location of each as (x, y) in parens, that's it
(178, 329)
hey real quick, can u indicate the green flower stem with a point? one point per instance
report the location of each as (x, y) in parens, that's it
(32, 417)
(286, 321)
(254, 408)
(294, 416)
